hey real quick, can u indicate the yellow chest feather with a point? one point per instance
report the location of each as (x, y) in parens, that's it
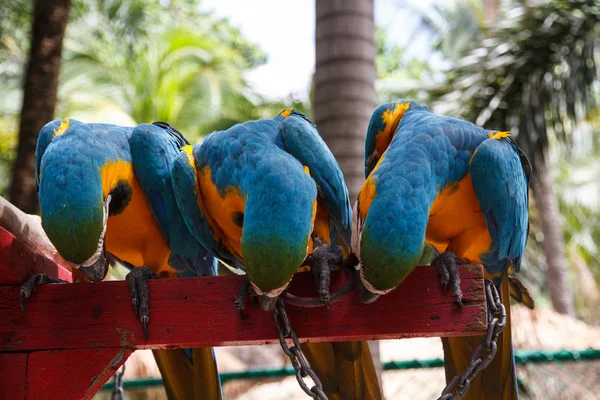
(456, 222)
(134, 235)
(222, 212)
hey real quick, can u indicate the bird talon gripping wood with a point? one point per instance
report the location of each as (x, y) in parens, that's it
(447, 265)
(334, 297)
(31, 285)
(240, 298)
(321, 263)
(140, 295)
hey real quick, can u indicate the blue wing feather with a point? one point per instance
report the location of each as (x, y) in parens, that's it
(301, 140)
(45, 137)
(154, 148)
(184, 187)
(500, 183)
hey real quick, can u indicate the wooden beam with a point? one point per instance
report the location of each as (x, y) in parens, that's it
(13, 375)
(84, 332)
(197, 312)
(71, 374)
(27, 228)
(18, 262)
(58, 374)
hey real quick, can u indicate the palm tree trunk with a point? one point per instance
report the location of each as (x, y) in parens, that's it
(553, 243)
(39, 94)
(345, 73)
(344, 96)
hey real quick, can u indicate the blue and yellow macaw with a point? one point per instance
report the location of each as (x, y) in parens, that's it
(443, 184)
(106, 193)
(259, 195)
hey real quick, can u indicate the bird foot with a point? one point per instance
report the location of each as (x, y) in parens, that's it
(310, 302)
(447, 265)
(31, 285)
(240, 298)
(140, 295)
(321, 263)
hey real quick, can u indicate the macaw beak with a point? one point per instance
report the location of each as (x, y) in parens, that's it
(364, 294)
(96, 268)
(267, 303)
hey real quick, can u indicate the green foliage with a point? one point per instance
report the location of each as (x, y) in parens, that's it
(576, 180)
(455, 26)
(15, 17)
(134, 61)
(396, 74)
(8, 147)
(169, 63)
(535, 73)
(388, 55)
(15, 27)
(145, 60)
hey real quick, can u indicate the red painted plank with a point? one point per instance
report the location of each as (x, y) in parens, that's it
(200, 312)
(13, 373)
(107, 372)
(28, 229)
(18, 262)
(71, 374)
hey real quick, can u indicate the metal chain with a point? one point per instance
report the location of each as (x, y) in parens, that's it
(284, 330)
(117, 393)
(485, 352)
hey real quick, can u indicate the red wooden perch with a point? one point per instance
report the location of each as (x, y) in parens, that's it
(88, 330)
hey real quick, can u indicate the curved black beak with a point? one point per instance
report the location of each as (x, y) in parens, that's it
(98, 270)
(364, 294)
(267, 303)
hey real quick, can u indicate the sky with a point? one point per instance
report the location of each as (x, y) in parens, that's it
(284, 29)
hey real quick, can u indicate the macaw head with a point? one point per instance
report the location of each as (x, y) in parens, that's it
(382, 128)
(278, 220)
(75, 201)
(387, 235)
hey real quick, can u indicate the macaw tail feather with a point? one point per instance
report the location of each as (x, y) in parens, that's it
(189, 378)
(345, 369)
(499, 380)
(519, 292)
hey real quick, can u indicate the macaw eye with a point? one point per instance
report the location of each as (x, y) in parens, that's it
(120, 197)
(238, 218)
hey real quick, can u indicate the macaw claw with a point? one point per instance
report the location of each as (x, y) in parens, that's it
(240, 301)
(447, 265)
(145, 319)
(298, 301)
(31, 285)
(140, 295)
(321, 261)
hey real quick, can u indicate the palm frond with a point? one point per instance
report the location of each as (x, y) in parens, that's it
(535, 75)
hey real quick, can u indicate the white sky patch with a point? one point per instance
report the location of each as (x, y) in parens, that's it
(285, 30)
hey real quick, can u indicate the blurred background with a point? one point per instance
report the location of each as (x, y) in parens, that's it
(528, 66)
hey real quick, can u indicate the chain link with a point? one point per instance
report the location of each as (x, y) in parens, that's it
(485, 352)
(117, 393)
(482, 356)
(285, 330)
